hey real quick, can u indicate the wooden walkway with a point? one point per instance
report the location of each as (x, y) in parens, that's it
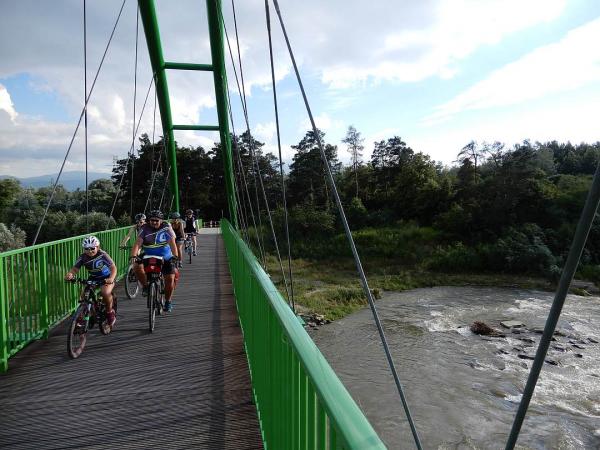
(185, 386)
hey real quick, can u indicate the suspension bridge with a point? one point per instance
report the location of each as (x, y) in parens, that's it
(231, 367)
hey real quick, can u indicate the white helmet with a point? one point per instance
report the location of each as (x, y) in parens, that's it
(90, 241)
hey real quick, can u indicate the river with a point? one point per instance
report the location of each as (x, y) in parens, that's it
(463, 389)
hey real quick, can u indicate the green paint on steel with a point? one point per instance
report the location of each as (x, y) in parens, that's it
(215, 26)
(149, 19)
(189, 66)
(33, 295)
(197, 127)
(3, 319)
(299, 398)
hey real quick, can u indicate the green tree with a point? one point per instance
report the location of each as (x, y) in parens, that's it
(11, 238)
(9, 189)
(307, 178)
(354, 142)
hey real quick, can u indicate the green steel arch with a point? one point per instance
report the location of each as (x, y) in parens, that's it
(217, 67)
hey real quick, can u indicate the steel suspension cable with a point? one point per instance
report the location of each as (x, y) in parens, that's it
(164, 188)
(260, 247)
(87, 199)
(581, 234)
(242, 213)
(242, 92)
(78, 125)
(242, 176)
(241, 170)
(133, 130)
(166, 180)
(255, 159)
(287, 228)
(238, 176)
(152, 160)
(359, 267)
(130, 154)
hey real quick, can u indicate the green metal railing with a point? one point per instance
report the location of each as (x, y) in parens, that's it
(301, 402)
(33, 294)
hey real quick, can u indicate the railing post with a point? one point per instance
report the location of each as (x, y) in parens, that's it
(43, 274)
(3, 320)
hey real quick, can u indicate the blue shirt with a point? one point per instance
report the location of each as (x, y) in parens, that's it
(156, 242)
(98, 265)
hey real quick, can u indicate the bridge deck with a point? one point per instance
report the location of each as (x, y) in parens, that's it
(187, 385)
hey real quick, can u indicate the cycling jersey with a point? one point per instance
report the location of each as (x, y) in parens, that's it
(156, 242)
(98, 265)
(190, 224)
(179, 233)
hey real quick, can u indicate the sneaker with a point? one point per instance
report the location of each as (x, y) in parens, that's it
(194, 253)
(168, 306)
(111, 318)
(145, 291)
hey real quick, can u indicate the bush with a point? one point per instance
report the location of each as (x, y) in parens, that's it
(455, 258)
(407, 242)
(97, 222)
(523, 251)
(11, 239)
(518, 251)
(357, 214)
(590, 273)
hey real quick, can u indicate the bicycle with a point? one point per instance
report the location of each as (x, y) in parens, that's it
(156, 287)
(188, 245)
(132, 287)
(90, 311)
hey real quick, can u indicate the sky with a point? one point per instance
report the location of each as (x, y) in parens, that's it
(437, 73)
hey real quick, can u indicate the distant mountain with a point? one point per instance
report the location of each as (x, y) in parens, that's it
(70, 180)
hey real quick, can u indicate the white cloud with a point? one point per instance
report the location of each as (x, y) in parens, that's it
(440, 35)
(265, 131)
(6, 104)
(568, 64)
(324, 123)
(334, 41)
(574, 121)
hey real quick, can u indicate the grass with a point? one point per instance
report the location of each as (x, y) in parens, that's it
(332, 287)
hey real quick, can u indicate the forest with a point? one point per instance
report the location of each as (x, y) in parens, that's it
(498, 208)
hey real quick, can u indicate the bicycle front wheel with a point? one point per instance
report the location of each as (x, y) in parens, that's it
(131, 283)
(152, 301)
(77, 335)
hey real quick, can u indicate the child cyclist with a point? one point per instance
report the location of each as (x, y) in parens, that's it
(100, 266)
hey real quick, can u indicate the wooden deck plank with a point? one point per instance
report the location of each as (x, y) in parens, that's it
(186, 385)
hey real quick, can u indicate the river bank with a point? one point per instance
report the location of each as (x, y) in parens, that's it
(331, 288)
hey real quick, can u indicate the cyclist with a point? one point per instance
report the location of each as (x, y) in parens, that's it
(177, 225)
(158, 239)
(140, 220)
(100, 266)
(190, 227)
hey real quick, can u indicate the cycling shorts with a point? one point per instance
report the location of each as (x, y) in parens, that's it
(168, 268)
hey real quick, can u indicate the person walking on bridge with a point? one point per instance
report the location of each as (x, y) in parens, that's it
(157, 238)
(100, 266)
